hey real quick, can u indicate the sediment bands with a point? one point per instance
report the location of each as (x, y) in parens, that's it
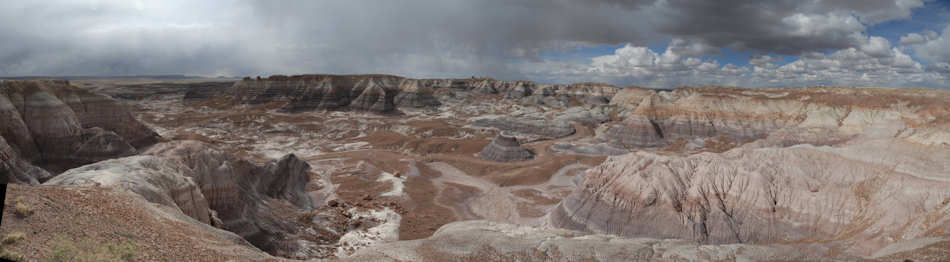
(55, 126)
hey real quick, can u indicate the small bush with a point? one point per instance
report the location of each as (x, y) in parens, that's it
(11, 255)
(22, 210)
(13, 238)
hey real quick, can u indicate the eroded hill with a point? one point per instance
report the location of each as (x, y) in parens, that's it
(378, 167)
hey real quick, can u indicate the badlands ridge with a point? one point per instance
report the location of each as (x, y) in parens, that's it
(380, 167)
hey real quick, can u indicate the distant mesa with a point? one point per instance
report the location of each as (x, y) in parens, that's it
(506, 149)
(388, 93)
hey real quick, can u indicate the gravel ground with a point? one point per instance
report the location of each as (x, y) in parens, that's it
(91, 218)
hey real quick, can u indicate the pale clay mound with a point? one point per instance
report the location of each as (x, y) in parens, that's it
(766, 195)
(693, 174)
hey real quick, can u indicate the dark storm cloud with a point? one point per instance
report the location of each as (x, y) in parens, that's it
(363, 35)
(246, 37)
(788, 27)
(502, 39)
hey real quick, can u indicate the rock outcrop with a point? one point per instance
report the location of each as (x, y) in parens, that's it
(592, 116)
(505, 149)
(859, 167)
(866, 194)
(238, 191)
(743, 115)
(153, 178)
(414, 94)
(374, 98)
(211, 186)
(57, 126)
(630, 97)
(18, 171)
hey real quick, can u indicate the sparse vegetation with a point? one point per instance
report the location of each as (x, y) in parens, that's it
(22, 210)
(68, 250)
(11, 255)
(12, 238)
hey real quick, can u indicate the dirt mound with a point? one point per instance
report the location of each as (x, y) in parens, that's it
(505, 149)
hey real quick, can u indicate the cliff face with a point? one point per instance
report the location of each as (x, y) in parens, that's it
(384, 93)
(57, 126)
(660, 118)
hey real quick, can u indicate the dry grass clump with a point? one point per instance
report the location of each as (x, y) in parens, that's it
(22, 210)
(11, 255)
(13, 238)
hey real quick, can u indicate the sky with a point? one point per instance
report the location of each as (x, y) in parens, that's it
(648, 43)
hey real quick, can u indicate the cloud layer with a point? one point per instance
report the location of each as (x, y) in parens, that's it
(497, 38)
(874, 62)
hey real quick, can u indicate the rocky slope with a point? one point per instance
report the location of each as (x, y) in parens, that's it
(488, 241)
(212, 187)
(764, 195)
(415, 94)
(240, 192)
(53, 125)
(16, 170)
(84, 223)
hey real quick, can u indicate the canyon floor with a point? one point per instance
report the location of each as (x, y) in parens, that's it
(595, 172)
